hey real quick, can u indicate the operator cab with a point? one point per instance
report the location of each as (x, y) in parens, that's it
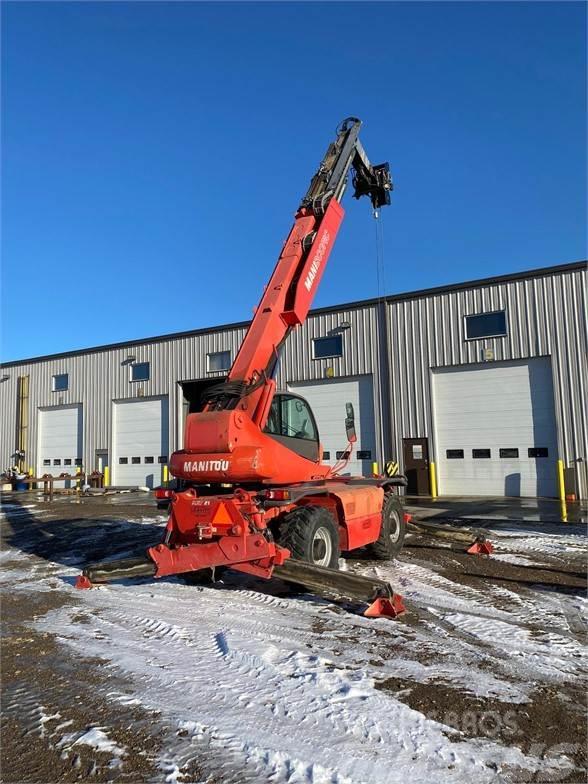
(292, 423)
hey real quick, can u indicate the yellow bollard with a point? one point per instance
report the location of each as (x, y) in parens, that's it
(165, 474)
(106, 476)
(433, 477)
(560, 481)
(375, 471)
(562, 490)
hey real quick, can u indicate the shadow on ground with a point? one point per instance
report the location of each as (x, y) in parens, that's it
(75, 534)
(539, 514)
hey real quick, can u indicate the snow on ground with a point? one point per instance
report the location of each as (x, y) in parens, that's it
(240, 672)
(259, 687)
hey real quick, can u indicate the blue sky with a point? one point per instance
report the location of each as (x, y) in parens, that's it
(153, 154)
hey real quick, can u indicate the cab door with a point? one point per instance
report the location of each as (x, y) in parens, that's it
(292, 423)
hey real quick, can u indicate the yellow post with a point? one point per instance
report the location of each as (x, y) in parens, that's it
(562, 490)
(560, 480)
(106, 476)
(375, 471)
(433, 476)
(165, 474)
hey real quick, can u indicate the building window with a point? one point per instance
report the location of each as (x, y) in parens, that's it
(486, 325)
(481, 453)
(67, 461)
(149, 459)
(162, 459)
(218, 360)
(123, 460)
(325, 348)
(46, 461)
(61, 382)
(454, 454)
(57, 461)
(135, 460)
(538, 451)
(326, 455)
(343, 455)
(364, 454)
(140, 371)
(509, 452)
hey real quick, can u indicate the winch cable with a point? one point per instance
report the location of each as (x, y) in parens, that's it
(381, 304)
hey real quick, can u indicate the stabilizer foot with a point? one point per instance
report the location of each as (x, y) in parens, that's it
(386, 608)
(83, 582)
(481, 547)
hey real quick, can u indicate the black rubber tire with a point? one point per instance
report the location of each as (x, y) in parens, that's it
(309, 532)
(393, 530)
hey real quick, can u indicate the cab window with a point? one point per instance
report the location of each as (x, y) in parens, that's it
(290, 416)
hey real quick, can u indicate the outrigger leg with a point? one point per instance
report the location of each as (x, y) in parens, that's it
(383, 601)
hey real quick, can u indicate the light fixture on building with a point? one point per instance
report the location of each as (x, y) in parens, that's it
(4, 378)
(129, 360)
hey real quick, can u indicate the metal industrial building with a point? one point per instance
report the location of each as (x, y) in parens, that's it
(485, 379)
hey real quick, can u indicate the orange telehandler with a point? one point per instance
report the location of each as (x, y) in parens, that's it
(255, 496)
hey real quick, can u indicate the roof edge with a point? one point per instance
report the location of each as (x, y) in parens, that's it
(418, 294)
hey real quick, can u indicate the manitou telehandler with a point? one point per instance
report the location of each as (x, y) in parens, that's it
(255, 495)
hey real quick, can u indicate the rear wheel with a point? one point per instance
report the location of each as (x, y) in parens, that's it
(311, 534)
(391, 538)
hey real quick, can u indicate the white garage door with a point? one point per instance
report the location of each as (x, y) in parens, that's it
(140, 442)
(495, 429)
(60, 440)
(327, 399)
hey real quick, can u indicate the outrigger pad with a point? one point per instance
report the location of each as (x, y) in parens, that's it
(481, 547)
(83, 582)
(386, 608)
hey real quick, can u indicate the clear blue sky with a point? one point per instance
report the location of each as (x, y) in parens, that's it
(153, 154)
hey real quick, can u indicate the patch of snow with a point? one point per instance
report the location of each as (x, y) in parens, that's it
(238, 674)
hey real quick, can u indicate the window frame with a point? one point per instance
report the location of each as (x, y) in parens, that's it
(337, 337)
(485, 313)
(54, 387)
(216, 354)
(146, 363)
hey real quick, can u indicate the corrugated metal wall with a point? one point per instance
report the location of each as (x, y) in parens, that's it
(546, 315)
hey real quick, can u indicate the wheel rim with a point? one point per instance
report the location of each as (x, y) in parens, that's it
(322, 547)
(394, 534)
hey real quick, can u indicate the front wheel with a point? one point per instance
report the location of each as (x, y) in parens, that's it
(392, 532)
(311, 534)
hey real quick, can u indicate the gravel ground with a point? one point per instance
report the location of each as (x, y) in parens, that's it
(68, 715)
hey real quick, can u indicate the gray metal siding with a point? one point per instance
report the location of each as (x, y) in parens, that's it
(546, 316)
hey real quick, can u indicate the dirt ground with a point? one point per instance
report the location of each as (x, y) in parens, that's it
(53, 696)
